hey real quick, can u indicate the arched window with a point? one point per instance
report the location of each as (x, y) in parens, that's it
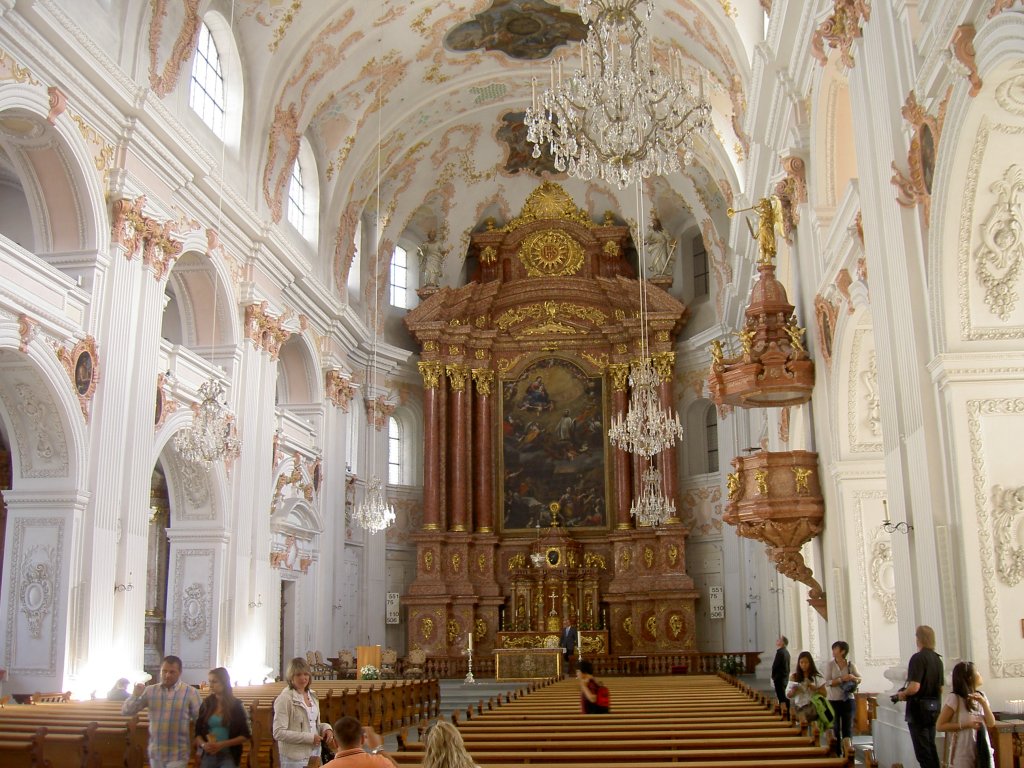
(355, 266)
(394, 452)
(711, 438)
(297, 198)
(701, 286)
(206, 89)
(400, 278)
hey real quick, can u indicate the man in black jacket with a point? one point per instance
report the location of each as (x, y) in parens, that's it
(923, 694)
(568, 640)
(780, 672)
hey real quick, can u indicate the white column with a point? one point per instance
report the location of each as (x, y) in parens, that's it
(248, 519)
(40, 604)
(879, 85)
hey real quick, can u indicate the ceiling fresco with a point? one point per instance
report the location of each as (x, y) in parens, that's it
(522, 29)
(432, 93)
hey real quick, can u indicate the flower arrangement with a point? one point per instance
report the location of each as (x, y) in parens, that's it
(369, 672)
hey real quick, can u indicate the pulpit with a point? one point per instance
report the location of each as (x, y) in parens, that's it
(366, 655)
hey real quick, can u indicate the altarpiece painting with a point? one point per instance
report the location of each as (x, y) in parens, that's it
(553, 447)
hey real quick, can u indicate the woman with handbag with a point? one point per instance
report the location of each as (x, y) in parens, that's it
(966, 717)
(843, 679)
(804, 683)
(297, 728)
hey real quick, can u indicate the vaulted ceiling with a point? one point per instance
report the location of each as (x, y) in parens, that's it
(428, 96)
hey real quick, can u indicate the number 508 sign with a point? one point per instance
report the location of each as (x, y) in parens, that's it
(716, 602)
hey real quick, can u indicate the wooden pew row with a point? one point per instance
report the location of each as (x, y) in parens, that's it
(722, 762)
(20, 753)
(640, 736)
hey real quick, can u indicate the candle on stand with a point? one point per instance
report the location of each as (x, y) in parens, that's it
(469, 638)
(579, 641)
(885, 509)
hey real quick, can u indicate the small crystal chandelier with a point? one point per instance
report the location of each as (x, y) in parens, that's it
(212, 433)
(621, 117)
(651, 508)
(375, 514)
(647, 428)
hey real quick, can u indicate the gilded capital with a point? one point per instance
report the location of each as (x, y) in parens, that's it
(619, 373)
(484, 378)
(457, 375)
(431, 373)
(664, 362)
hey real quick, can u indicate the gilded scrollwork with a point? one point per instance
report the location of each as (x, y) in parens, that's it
(673, 554)
(675, 624)
(549, 201)
(648, 557)
(431, 373)
(518, 560)
(426, 627)
(999, 258)
(457, 376)
(484, 378)
(593, 560)
(801, 476)
(454, 630)
(1007, 517)
(549, 311)
(840, 29)
(619, 373)
(652, 626)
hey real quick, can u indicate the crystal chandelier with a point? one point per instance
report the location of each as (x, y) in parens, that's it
(375, 514)
(646, 428)
(651, 508)
(211, 435)
(621, 117)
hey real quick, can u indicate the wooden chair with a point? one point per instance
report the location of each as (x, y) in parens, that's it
(388, 664)
(346, 665)
(414, 664)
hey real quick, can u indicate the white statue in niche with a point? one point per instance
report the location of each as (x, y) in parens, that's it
(432, 256)
(660, 249)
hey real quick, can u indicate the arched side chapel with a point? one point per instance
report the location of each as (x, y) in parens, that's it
(128, 224)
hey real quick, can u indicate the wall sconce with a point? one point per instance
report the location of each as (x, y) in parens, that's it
(258, 603)
(889, 526)
(125, 587)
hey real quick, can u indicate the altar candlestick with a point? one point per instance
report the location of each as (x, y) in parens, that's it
(469, 637)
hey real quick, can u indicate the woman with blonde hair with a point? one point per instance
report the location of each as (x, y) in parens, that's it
(297, 728)
(445, 748)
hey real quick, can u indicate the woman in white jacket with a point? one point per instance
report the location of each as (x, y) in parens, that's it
(297, 727)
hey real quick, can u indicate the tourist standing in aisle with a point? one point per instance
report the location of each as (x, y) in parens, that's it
(780, 672)
(843, 680)
(297, 728)
(173, 705)
(922, 692)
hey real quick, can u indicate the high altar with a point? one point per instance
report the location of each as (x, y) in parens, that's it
(526, 511)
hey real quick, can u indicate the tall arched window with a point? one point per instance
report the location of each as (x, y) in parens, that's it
(400, 278)
(394, 451)
(711, 438)
(701, 285)
(206, 89)
(297, 198)
(355, 266)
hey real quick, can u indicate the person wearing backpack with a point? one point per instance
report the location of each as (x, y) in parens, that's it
(594, 699)
(843, 679)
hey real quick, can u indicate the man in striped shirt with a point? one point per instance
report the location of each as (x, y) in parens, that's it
(173, 705)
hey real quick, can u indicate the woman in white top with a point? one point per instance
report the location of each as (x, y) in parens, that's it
(965, 717)
(297, 728)
(842, 678)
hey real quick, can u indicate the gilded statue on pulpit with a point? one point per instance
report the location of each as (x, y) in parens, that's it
(553, 447)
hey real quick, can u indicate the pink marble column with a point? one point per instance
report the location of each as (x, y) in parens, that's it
(621, 474)
(457, 378)
(483, 458)
(663, 363)
(432, 436)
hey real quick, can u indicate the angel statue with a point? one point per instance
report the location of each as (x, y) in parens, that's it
(796, 336)
(432, 259)
(769, 222)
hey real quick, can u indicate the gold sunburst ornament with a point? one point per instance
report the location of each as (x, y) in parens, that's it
(551, 252)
